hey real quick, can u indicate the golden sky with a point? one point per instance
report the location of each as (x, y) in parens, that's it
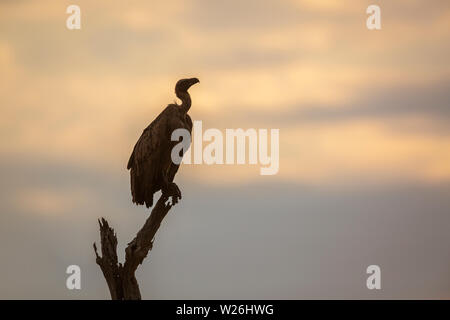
(340, 94)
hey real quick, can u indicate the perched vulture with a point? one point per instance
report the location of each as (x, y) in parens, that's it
(151, 166)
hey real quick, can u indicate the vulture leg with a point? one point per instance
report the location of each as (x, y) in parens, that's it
(170, 189)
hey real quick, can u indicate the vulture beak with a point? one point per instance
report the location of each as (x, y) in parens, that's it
(193, 81)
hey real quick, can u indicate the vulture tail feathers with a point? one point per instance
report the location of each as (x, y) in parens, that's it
(141, 187)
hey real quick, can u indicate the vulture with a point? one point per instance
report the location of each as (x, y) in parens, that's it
(151, 166)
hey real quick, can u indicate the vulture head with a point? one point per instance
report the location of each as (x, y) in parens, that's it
(184, 84)
(181, 89)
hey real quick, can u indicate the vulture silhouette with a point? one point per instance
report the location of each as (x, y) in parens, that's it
(151, 166)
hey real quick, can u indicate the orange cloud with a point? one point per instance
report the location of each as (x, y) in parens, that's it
(86, 96)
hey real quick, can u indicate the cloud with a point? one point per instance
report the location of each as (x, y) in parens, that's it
(395, 103)
(84, 97)
(314, 235)
(47, 201)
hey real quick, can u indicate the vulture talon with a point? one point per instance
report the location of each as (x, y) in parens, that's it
(172, 190)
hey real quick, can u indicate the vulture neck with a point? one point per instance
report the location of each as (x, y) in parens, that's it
(185, 100)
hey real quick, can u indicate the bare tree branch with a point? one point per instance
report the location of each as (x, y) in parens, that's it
(120, 278)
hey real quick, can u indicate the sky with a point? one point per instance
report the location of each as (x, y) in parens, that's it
(363, 115)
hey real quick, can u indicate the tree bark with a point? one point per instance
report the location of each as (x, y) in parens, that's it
(120, 278)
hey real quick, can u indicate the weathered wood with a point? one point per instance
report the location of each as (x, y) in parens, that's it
(120, 278)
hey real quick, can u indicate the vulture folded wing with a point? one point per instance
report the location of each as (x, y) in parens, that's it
(144, 164)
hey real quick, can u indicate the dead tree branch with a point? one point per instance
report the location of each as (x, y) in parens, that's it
(120, 278)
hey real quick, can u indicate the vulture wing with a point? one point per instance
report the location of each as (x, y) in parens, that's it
(145, 161)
